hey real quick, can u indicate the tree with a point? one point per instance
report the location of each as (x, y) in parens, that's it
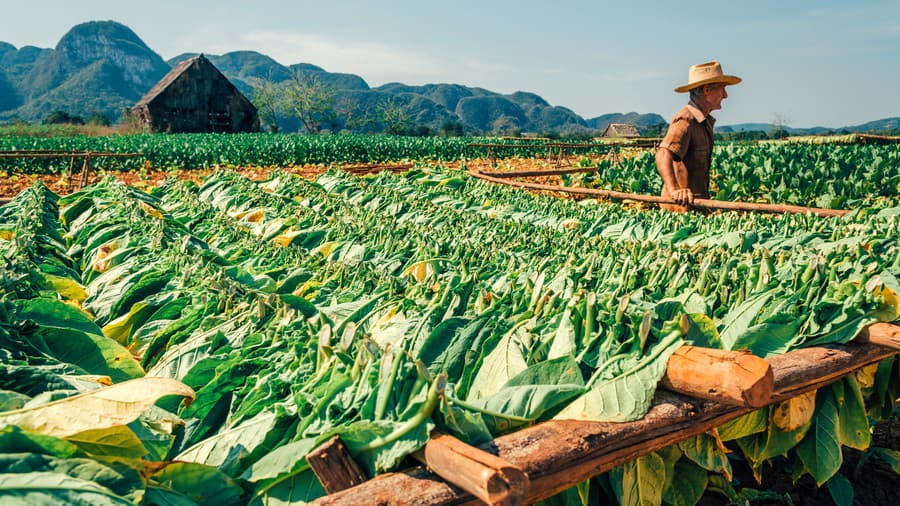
(98, 118)
(779, 127)
(395, 117)
(310, 100)
(61, 117)
(452, 128)
(267, 98)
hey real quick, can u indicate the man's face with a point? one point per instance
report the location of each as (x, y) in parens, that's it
(714, 95)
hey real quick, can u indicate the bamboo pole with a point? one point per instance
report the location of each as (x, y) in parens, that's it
(559, 454)
(730, 377)
(702, 203)
(481, 474)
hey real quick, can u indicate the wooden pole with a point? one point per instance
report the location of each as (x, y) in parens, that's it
(559, 454)
(481, 474)
(730, 377)
(539, 173)
(702, 203)
(882, 334)
(335, 468)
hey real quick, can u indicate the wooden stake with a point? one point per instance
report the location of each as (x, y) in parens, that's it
(882, 334)
(335, 468)
(485, 476)
(729, 377)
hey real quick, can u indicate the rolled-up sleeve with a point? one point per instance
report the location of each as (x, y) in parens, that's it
(677, 138)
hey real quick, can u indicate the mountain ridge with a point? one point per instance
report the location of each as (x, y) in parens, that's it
(105, 66)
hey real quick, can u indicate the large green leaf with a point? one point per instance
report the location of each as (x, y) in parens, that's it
(820, 450)
(52, 489)
(230, 449)
(295, 490)
(627, 396)
(687, 486)
(119, 477)
(640, 482)
(69, 335)
(203, 484)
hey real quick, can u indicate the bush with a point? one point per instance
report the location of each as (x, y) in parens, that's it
(62, 117)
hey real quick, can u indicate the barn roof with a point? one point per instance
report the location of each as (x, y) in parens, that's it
(168, 79)
(621, 130)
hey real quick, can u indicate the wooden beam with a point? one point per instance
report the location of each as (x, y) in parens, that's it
(702, 203)
(882, 334)
(559, 454)
(335, 468)
(730, 377)
(539, 173)
(481, 474)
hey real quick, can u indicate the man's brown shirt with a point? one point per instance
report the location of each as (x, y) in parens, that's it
(690, 139)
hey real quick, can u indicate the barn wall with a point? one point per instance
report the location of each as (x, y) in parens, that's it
(202, 100)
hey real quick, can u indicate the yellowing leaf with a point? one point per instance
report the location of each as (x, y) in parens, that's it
(866, 376)
(284, 239)
(420, 271)
(67, 288)
(152, 211)
(7, 235)
(889, 309)
(255, 216)
(795, 412)
(326, 248)
(570, 223)
(118, 441)
(101, 264)
(119, 329)
(99, 409)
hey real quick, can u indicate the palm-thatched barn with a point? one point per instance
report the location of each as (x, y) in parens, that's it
(195, 97)
(621, 131)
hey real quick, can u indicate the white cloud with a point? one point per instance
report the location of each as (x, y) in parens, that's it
(376, 61)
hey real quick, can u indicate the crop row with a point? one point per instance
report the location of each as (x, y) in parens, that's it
(377, 308)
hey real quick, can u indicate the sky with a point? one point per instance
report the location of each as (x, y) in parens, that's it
(803, 63)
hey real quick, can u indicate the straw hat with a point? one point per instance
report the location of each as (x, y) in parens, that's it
(706, 73)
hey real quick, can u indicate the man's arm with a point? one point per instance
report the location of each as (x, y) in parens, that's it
(665, 164)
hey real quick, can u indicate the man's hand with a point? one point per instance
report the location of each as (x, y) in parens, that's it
(684, 196)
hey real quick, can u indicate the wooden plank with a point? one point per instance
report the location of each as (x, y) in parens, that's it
(701, 203)
(730, 377)
(481, 474)
(559, 454)
(335, 468)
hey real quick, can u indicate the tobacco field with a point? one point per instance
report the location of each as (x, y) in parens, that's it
(192, 344)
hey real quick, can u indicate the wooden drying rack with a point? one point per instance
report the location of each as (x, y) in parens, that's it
(540, 461)
(86, 156)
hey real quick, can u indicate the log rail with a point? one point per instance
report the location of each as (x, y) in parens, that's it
(559, 454)
(702, 203)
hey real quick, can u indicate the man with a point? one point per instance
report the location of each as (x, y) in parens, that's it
(683, 157)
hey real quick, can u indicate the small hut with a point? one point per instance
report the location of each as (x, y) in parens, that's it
(195, 97)
(621, 131)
